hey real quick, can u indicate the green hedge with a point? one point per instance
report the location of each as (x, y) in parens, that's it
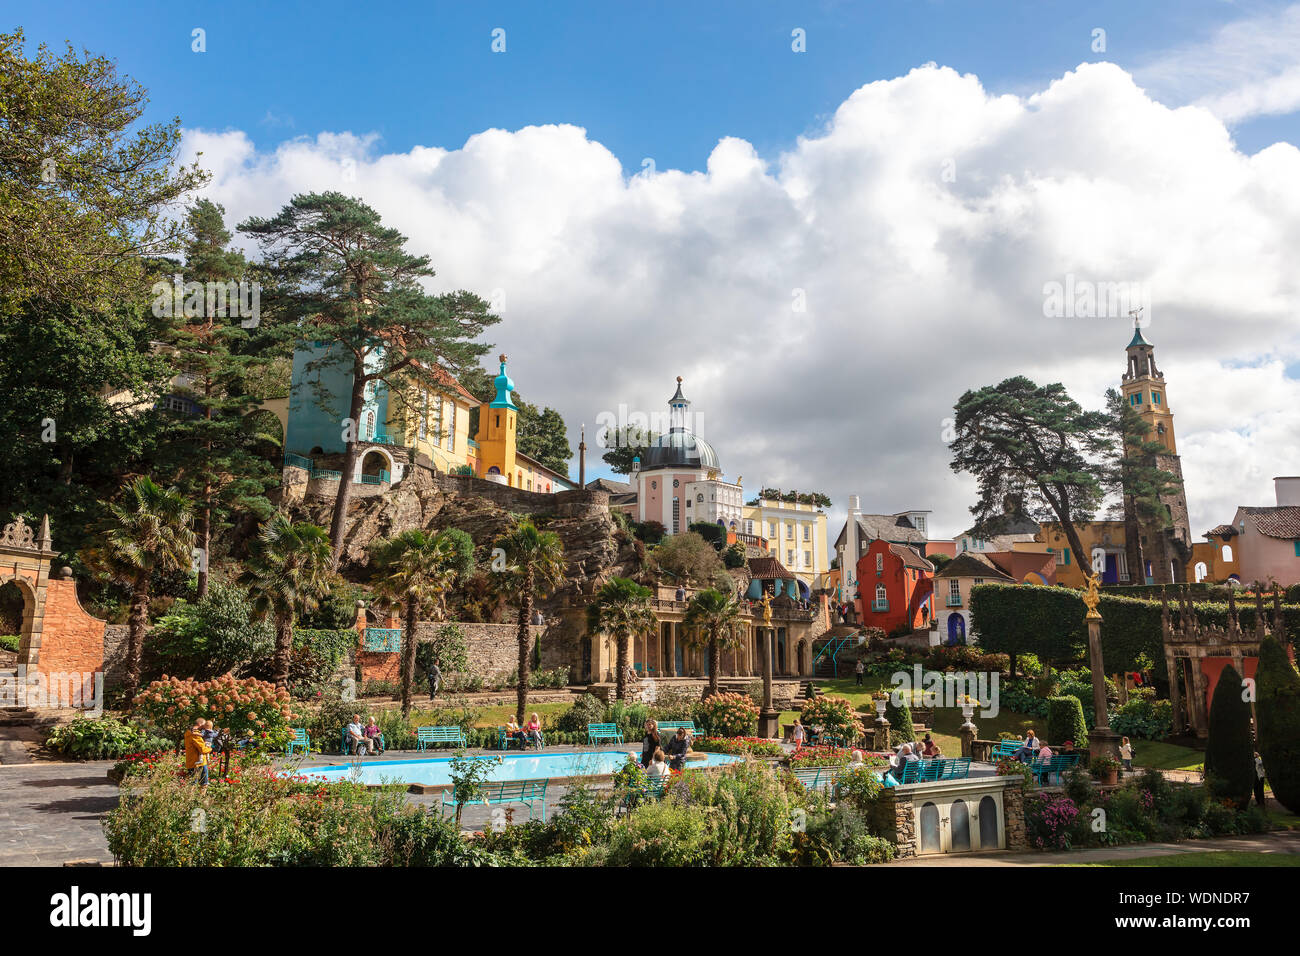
(1049, 622)
(1277, 709)
(1065, 722)
(1229, 756)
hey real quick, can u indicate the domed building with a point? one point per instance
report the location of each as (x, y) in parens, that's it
(678, 479)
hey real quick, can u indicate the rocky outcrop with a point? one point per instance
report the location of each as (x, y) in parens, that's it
(595, 549)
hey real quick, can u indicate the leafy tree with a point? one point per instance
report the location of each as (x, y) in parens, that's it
(213, 636)
(621, 609)
(713, 620)
(287, 573)
(542, 436)
(149, 533)
(1277, 709)
(1229, 756)
(347, 280)
(447, 648)
(84, 188)
(214, 449)
(624, 444)
(1033, 444)
(534, 567)
(418, 569)
(77, 414)
(688, 558)
(1065, 721)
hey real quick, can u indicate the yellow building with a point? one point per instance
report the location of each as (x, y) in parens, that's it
(1106, 537)
(795, 533)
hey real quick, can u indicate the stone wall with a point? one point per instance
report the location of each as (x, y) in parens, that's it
(1013, 809)
(72, 641)
(493, 649)
(115, 636)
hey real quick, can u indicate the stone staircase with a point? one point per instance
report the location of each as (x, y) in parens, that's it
(808, 690)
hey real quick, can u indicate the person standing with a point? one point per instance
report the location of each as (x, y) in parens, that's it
(1126, 753)
(1259, 779)
(859, 669)
(797, 734)
(650, 742)
(196, 753)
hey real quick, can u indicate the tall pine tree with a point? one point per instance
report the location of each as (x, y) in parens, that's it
(346, 280)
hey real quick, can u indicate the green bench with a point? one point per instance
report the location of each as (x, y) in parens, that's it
(816, 778)
(504, 740)
(668, 728)
(424, 736)
(599, 732)
(506, 791)
(1006, 750)
(939, 768)
(652, 788)
(1059, 765)
(299, 739)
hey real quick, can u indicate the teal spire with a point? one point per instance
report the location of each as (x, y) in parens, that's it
(1138, 339)
(504, 387)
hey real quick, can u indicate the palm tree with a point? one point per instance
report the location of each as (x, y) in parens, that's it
(621, 609)
(713, 618)
(148, 532)
(288, 573)
(418, 570)
(534, 566)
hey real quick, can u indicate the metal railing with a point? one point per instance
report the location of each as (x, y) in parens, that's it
(880, 605)
(953, 601)
(831, 649)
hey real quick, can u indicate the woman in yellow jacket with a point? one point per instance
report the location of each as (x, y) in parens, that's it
(196, 753)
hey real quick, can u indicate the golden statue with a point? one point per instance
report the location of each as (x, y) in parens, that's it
(1092, 596)
(767, 610)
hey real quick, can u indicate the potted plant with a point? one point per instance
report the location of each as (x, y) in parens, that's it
(1106, 769)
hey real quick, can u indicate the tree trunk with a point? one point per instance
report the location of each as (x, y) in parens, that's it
(205, 539)
(283, 647)
(137, 623)
(1076, 545)
(1133, 543)
(408, 657)
(525, 613)
(715, 665)
(620, 668)
(339, 525)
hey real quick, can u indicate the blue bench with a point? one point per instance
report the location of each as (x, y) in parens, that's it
(816, 778)
(1006, 750)
(343, 742)
(1059, 765)
(299, 739)
(924, 771)
(599, 732)
(424, 736)
(652, 788)
(506, 791)
(668, 728)
(504, 740)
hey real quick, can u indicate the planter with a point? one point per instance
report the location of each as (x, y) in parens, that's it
(1108, 778)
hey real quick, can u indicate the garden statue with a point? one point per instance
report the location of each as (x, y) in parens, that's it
(1092, 596)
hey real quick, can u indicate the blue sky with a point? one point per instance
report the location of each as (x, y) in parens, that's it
(824, 173)
(664, 81)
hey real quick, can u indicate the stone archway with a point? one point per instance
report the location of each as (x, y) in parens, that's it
(25, 560)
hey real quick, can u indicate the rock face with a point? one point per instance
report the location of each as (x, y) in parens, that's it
(594, 547)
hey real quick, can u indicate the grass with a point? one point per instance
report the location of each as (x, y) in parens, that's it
(497, 715)
(1163, 756)
(1204, 858)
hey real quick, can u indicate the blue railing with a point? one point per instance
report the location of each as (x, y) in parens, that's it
(378, 479)
(383, 639)
(880, 605)
(381, 439)
(953, 601)
(328, 475)
(832, 650)
(298, 461)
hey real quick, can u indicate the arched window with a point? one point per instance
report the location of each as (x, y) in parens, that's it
(959, 820)
(1201, 571)
(988, 824)
(1227, 553)
(930, 828)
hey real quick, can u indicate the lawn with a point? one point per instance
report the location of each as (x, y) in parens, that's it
(1163, 756)
(496, 716)
(1204, 858)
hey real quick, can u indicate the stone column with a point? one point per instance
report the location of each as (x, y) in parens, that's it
(1101, 739)
(672, 649)
(881, 742)
(769, 719)
(968, 731)
(1200, 718)
(1173, 667)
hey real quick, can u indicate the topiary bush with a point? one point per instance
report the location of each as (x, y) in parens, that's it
(899, 716)
(587, 709)
(1277, 709)
(1229, 756)
(1065, 721)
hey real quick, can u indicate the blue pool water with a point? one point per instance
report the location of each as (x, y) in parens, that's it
(437, 772)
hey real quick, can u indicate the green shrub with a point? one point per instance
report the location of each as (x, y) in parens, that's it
(899, 716)
(209, 638)
(727, 715)
(1065, 722)
(587, 709)
(1145, 718)
(10, 642)
(103, 738)
(658, 833)
(1229, 756)
(1277, 709)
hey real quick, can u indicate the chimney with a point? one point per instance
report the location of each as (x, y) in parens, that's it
(1287, 490)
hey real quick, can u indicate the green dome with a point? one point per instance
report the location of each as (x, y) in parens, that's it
(505, 385)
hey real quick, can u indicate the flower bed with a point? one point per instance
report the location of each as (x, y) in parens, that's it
(741, 746)
(819, 756)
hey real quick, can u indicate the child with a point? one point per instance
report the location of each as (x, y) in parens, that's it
(1126, 753)
(796, 734)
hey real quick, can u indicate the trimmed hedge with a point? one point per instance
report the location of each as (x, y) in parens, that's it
(901, 730)
(1229, 756)
(1277, 709)
(1065, 722)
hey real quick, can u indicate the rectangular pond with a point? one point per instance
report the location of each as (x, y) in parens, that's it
(436, 772)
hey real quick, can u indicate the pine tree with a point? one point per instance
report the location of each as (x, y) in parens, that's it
(1277, 710)
(345, 279)
(1137, 479)
(1229, 756)
(216, 351)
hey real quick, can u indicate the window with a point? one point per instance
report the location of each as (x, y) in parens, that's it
(1135, 398)
(919, 523)
(1121, 564)
(954, 589)
(771, 529)
(451, 427)
(1227, 553)
(749, 526)
(789, 532)
(1065, 557)
(789, 556)
(807, 533)
(807, 555)
(1155, 398)
(676, 515)
(978, 582)
(700, 498)
(422, 431)
(881, 594)
(1297, 547)
(688, 502)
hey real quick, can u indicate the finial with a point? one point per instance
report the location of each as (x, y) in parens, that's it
(679, 380)
(502, 358)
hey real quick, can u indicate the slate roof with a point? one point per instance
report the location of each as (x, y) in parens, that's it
(971, 565)
(911, 557)
(767, 567)
(1280, 522)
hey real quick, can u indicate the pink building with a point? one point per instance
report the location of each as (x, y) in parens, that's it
(1267, 540)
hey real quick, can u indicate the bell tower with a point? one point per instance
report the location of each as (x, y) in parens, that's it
(497, 421)
(1165, 551)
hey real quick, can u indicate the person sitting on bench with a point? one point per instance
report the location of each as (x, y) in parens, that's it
(678, 747)
(357, 739)
(1029, 749)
